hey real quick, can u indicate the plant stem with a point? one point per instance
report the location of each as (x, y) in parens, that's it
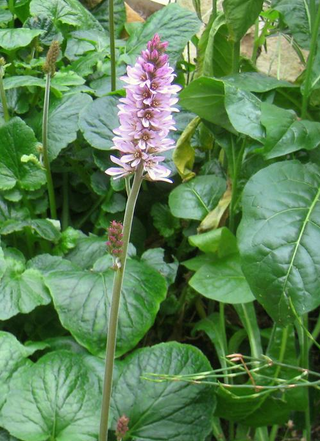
(217, 430)
(255, 42)
(52, 200)
(235, 56)
(273, 432)
(237, 164)
(3, 97)
(305, 365)
(313, 48)
(315, 333)
(89, 213)
(112, 46)
(116, 293)
(65, 202)
(11, 9)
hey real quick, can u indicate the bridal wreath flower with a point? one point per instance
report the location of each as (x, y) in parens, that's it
(146, 115)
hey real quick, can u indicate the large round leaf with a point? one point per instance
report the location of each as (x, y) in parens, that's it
(279, 238)
(171, 410)
(57, 398)
(82, 300)
(196, 198)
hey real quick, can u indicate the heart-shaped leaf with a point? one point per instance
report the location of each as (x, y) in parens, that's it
(279, 236)
(82, 300)
(16, 140)
(57, 398)
(169, 410)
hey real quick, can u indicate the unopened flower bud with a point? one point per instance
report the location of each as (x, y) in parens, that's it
(122, 427)
(114, 243)
(49, 66)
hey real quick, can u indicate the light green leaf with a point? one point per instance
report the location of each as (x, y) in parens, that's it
(196, 198)
(256, 82)
(223, 281)
(82, 300)
(154, 257)
(21, 289)
(285, 133)
(88, 250)
(42, 227)
(57, 398)
(98, 121)
(240, 15)
(12, 39)
(69, 12)
(173, 23)
(171, 410)
(244, 111)
(221, 241)
(278, 238)
(16, 140)
(23, 81)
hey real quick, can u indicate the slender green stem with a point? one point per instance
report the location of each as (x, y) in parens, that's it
(273, 432)
(255, 42)
(313, 48)
(113, 318)
(3, 96)
(315, 333)
(112, 45)
(65, 201)
(237, 164)
(305, 365)
(11, 9)
(235, 56)
(52, 200)
(217, 430)
(88, 214)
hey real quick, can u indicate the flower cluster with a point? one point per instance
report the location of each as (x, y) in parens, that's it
(115, 235)
(145, 115)
(122, 427)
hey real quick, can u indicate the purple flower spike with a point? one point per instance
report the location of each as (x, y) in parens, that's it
(145, 115)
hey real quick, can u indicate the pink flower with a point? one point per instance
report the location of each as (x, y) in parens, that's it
(145, 115)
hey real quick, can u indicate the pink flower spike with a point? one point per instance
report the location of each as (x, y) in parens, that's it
(145, 115)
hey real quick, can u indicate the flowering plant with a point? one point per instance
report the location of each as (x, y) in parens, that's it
(146, 115)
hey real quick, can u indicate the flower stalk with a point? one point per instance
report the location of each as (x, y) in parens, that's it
(49, 70)
(145, 121)
(2, 91)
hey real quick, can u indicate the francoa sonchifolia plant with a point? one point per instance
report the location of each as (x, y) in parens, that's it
(222, 264)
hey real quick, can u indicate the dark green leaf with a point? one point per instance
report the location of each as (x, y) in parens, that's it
(172, 23)
(115, 204)
(163, 220)
(196, 198)
(82, 300)
(240, 15)
(101, 13)
(155, 258)
(279, 236)
(17, 140)
(88, 250)
(98, 121)
(171, 410)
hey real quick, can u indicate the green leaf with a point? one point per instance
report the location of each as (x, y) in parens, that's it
(82, 300)
(22, 81)
(70, 12)
(21, 289)
(223, 281)
(296, 15)
(163, 220)
(173, 23)
(12, 39)
(184, 154)
(278, 238)
(211, 325)
(101, 13)
(155, 258)
(285, 133)
(244, 111)
(241, 15)
(56, 398)
(63, 121)
(220, 240)
(116, 204)
(5, 436)
(196, 198)
(170, 410)
(13, 357)
(256, 82)
(42, 227)
(95, 126)
(205, 97)
(16, 140)
(88, 250)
